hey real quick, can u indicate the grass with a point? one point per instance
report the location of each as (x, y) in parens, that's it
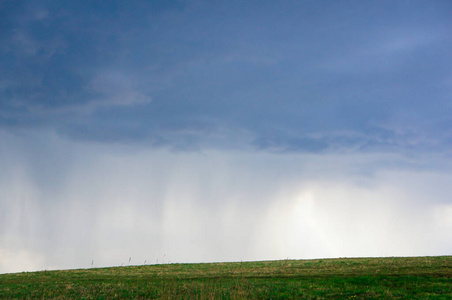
(345, 278)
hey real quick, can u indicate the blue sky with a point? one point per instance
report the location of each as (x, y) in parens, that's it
(278, 125)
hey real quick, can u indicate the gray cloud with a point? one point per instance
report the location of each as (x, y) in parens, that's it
(259, 131)
(65, 204)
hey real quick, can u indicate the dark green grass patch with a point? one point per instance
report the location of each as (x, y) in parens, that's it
(352, 278)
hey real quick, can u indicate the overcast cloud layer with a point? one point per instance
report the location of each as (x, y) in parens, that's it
(190, 131)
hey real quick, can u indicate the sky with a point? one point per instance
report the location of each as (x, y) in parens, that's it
(144, 132)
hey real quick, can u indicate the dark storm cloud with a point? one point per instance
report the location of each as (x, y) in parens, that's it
(292, 76)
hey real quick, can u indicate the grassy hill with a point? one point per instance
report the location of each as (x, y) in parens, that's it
(345, 278)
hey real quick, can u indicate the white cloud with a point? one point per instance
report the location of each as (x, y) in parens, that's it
(114, 202)
(20, 260)
(105, 89)
(341, 219)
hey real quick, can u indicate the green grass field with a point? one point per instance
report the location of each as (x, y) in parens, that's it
(347, 278)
